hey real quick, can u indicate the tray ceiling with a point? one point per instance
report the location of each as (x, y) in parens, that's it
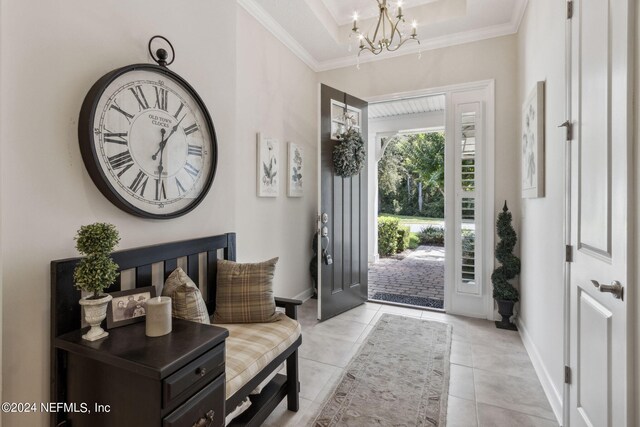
(318, 31)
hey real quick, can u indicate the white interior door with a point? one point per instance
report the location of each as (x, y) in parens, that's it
(600, 353)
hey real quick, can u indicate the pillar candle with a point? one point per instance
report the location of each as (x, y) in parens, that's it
(158, 316)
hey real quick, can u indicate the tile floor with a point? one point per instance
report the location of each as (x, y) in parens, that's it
(492, 381)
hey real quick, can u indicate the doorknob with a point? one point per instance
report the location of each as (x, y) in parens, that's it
(614, 288)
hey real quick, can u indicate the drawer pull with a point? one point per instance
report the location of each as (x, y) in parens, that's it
(206, 420)
(201, 371)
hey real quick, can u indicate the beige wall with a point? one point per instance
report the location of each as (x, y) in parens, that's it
(542, 58)
(276, 95)
(51, 54)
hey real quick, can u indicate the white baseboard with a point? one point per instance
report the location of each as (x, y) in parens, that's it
(554, 396)
(304, 296)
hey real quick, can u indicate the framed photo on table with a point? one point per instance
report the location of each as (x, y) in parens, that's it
(128, 306)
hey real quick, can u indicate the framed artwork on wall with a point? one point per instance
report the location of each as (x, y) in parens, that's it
(295, 171)
(533, 143)
(268, 167)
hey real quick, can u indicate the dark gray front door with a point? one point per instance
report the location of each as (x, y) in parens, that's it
(344, 201)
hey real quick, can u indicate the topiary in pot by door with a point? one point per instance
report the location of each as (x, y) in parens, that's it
(505, 294)
(96, 272)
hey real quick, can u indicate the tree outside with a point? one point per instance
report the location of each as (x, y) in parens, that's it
(411, 176)
(411, 189)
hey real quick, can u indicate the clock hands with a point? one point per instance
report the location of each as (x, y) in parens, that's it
(163, 143)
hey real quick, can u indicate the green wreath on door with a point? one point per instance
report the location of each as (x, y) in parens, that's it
(349, 155)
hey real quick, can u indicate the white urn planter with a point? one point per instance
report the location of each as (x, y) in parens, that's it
(95, 311)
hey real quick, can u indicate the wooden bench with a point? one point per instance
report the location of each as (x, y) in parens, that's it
(66, 317)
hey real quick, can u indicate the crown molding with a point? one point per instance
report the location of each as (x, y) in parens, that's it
(264, 18)
(267, 21)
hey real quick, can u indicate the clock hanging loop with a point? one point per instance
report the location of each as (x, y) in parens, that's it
(161, 55)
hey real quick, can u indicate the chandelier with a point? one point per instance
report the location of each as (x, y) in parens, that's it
(387, 35)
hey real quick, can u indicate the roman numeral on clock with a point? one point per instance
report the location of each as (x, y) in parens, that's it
(191, 170)
(139, 94)
(121, 161)
(116, 137)
(161, 192)
(179, 109)
(181, 189)
(116, 107)
(194, 150)
(139, 183)
(161, 98)
(191, 129)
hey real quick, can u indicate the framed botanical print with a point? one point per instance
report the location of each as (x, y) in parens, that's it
(533, 143)
(268, 173)
(295, 171)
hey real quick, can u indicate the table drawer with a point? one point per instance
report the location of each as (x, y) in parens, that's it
(205, 409)
(194, 376)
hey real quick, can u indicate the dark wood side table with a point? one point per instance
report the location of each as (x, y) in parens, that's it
(128, 379)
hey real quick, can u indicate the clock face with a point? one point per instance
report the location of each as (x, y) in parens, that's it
(151, 141)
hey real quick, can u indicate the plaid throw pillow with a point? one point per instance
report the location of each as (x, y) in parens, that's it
(186, 299)
(245, 292)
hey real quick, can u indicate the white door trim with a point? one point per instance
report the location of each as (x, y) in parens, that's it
(487, 307)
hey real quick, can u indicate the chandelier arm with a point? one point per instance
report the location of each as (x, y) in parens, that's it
(369, 42)
(394, 31)
(380, 20)
(393, 28)
(401, 43)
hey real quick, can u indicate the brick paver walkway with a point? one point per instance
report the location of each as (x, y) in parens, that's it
(420, 274)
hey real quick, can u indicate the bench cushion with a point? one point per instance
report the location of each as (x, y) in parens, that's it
(251, 346)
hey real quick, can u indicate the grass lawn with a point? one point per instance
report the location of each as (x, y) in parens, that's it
(405, 220)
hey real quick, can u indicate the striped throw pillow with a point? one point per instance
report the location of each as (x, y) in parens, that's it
(244, 292)
(186, 299)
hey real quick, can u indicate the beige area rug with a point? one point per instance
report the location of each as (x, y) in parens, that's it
(399, 377)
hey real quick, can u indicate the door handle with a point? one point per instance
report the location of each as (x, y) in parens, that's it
(615, 288)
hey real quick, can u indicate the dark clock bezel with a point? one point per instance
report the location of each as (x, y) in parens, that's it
(90, 155)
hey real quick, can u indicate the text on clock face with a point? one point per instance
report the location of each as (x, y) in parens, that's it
(152, 142)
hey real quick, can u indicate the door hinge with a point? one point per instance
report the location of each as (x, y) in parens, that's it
(567, 375)
(569, 9)
(569, 128)
(568, 250)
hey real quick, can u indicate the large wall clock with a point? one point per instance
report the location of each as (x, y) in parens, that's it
(148, 141)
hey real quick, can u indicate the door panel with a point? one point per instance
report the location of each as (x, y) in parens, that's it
(599, 351)
(594, 323)
(596, 136)
(343, 284)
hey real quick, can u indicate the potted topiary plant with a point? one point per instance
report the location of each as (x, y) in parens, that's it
(96, 272)
(505, 294)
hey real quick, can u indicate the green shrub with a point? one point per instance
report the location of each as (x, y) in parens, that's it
(432, 235)
(414, 240)
(404, 232)
(387, 236)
